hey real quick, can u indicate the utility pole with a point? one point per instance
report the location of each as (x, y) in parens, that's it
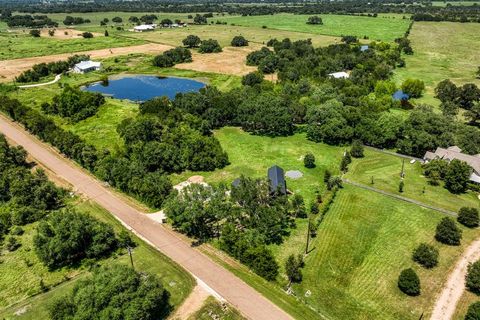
(308, 236)
(131, 257)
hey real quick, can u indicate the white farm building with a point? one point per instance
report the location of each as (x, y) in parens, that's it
(339, 75)
(87, 66)
(144, 27)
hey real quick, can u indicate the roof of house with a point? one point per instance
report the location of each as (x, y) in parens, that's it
(144, 27)
(400, 95)
(364, 48)
(339, 75)
(276, 175)
(88, 64)
(454, 152)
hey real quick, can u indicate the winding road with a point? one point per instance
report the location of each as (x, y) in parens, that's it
(57, 78)
(248, 301)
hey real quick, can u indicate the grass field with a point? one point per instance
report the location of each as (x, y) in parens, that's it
(385, 170)
(252, 155)
(362, 245)
(22, 271)
(443, 50)
(385, 28)
(224, 35)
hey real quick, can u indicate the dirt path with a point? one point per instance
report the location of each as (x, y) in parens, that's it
(219, 280)
(452, 292)
(192, 304)
(57, 78)
(9, 69)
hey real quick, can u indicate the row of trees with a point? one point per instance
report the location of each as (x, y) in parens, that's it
(70, 21)
(28, 21)
(41, 70)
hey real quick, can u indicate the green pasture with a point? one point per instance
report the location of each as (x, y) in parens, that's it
(22, 271)
(225, 33)
(362, 245)
(442, 50)
(385, 170)
(385, 28)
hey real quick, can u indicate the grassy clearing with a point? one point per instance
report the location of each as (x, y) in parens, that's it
(224, 35)
(252, 155)
(443, 50)
(212, 309)
(362, 245)
(385, 170)
(385, 28)
(19, 281)
(21, 45)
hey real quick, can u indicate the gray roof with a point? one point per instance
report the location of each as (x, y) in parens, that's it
(454, 152)
(276, 175)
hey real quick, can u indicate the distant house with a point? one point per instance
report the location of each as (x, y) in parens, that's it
(399, 95)
(455, 152)
(144, 27)
(276, 176)
(86, 66)
(339, 75)
(364, 48)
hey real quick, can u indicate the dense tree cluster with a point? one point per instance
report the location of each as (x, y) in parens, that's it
(453, 98)
(245, 220)
(173, 56)
(209, 46)
(74, 104)
(455, 174)
(45, 69)
(66, 237)
(25, 196)
(70, 21)
(29, 21)
(116, 292)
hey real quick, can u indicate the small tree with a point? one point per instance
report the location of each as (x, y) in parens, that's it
(35, 33)
(12, 244)
(106, 33)
(191, 41)
(117, 20)
(334, 182)
(87, 35)
(409, 283)
(314, 208)
(357, 149)
(309, 160)
(401, 185)
(426, 255)
(468, 217)
(448, 233)
(252, 78)
(314, 20)
(473, 312)
(239, 41)
(293, 267)
(200, 19)
(457, 176)
(51, 32)
(472, 280)
(344, 165)
(209, 46)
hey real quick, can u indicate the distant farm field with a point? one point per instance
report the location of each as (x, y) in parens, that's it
(364, 242)
(385, 28)
(442, 50)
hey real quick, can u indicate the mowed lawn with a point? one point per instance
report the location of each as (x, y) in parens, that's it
(385, 28)
(225, 33)
(442, 50)
(362, 245)
(252, 155)
(385, 170)
(22, 272)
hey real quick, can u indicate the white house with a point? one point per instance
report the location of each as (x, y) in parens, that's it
(144, 27)
(339, 75)
(87, 66)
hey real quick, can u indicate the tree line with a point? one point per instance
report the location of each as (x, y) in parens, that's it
(41, 70)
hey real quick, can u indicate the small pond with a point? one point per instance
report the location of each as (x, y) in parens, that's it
(142, 88)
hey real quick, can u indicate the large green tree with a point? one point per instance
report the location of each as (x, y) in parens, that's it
(457, 176)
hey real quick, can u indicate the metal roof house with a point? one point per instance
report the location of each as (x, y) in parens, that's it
(144, 27)
(339, 75)
(400, 95)
(364, 48)
(276, 176)
(87, 66)
(455, 152)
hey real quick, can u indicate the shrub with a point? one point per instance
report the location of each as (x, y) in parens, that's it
(252, 78)
(191, 41)
(12, 244)
(293, 267)
(473, 312)
(334, 182)
(163, 61)
(468, 217)
(309, 160)
(35, 33)
(314, 20)
(448, 233)
(314, 208)
(209, 46)
(401, 185)
(326, 176)
(357, 149)
(16, 231)
(87, 35)
(426, 255)
(472, 279)
(409, 283)
(239, 41)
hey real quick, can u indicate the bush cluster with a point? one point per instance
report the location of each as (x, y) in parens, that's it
(171, 57)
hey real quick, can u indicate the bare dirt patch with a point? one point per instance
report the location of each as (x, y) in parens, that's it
(230, 61)
(192, 304)
(65, 34)
(9, 69)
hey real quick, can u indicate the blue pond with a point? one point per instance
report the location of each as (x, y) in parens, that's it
(142, 88)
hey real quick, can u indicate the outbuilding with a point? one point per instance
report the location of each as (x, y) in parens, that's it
(339, 75)
(144, 27)
(87, 66)
(276, 176)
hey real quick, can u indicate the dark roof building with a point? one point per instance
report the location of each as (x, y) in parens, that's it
(276, 176)
(399, 95)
